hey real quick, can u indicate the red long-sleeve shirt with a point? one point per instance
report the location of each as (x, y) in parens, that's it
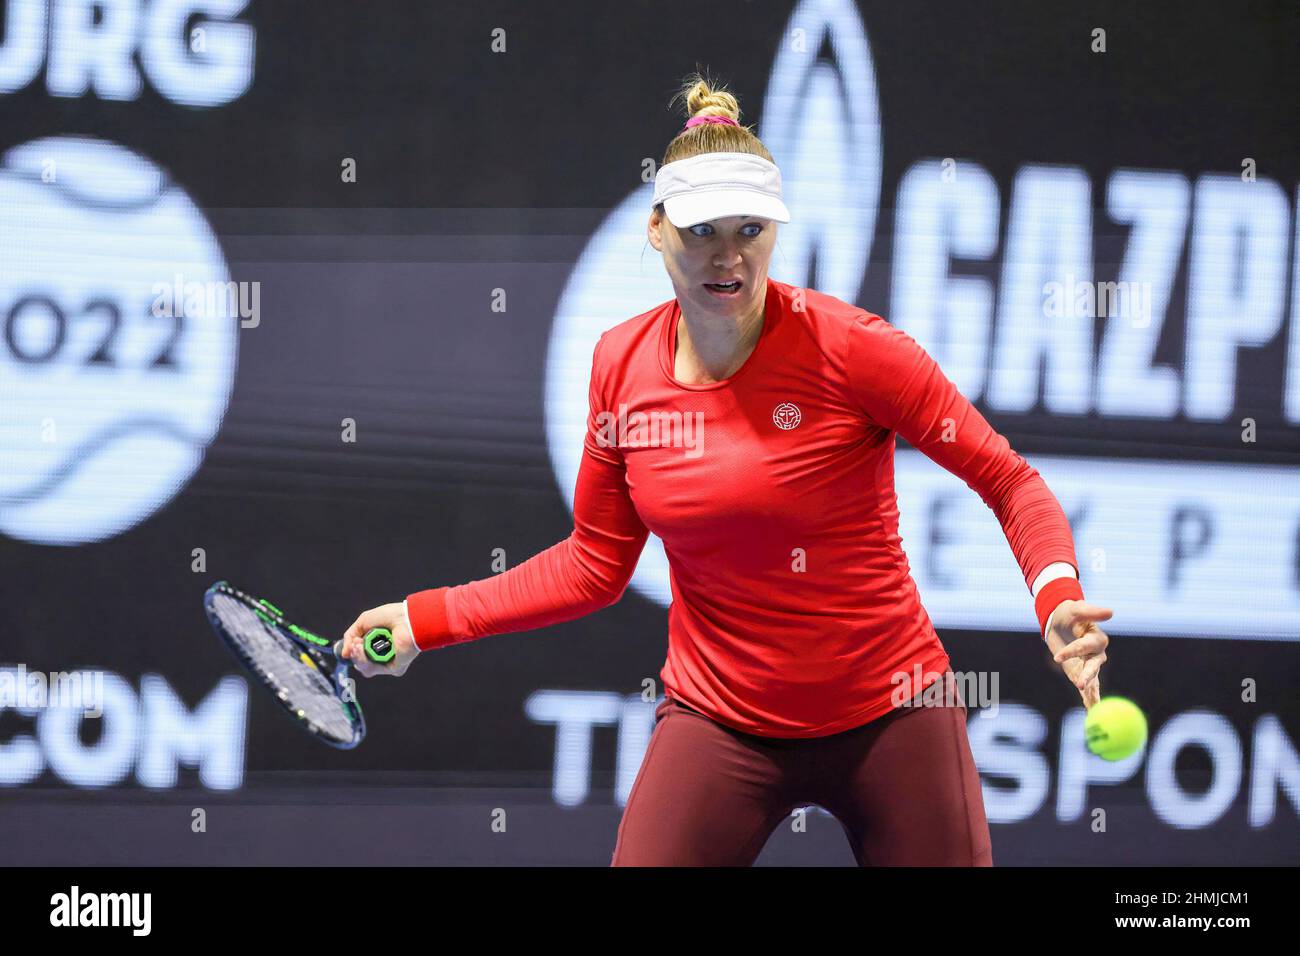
(773, 492)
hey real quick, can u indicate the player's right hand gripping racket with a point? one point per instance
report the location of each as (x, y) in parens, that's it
(303, 670)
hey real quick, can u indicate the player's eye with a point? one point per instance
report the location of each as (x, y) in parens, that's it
(749, 230)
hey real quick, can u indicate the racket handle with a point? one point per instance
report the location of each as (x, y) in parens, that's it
(378, 643)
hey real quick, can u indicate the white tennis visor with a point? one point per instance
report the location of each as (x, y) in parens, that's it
(713, 185)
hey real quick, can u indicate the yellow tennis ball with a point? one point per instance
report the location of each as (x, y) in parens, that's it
(1115, 728)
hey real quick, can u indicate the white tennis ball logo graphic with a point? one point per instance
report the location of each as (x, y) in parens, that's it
(106, 406)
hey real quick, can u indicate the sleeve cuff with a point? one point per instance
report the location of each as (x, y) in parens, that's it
(1057, 569)
(406, 612)
(427, 613)
(1051, 595)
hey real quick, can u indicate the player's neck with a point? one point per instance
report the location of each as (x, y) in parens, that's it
(711, 348)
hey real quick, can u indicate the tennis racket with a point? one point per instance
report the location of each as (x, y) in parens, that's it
(305, 672)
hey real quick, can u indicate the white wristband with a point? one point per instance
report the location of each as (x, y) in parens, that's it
(1057, 569)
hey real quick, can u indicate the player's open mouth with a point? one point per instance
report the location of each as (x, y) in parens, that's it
(725, 290)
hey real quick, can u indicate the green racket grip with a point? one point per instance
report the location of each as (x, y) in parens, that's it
(378, 643)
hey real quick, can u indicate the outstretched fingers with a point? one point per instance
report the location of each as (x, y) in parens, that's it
(1092, 612)
(1094, 642)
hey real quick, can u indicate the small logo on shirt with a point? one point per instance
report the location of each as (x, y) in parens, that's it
(786, 416)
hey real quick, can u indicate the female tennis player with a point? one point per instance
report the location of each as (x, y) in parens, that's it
(751, 425)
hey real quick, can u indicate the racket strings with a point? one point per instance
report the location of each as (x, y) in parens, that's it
(284, 667)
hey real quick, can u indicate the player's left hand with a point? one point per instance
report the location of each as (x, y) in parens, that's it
(393, 617)
(1074, 624)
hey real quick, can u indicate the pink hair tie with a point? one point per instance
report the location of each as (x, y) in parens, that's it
(697, 120)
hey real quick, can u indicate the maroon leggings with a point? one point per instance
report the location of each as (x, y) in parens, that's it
(903, 786)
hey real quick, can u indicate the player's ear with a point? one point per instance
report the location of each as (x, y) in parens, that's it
(654, 227)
